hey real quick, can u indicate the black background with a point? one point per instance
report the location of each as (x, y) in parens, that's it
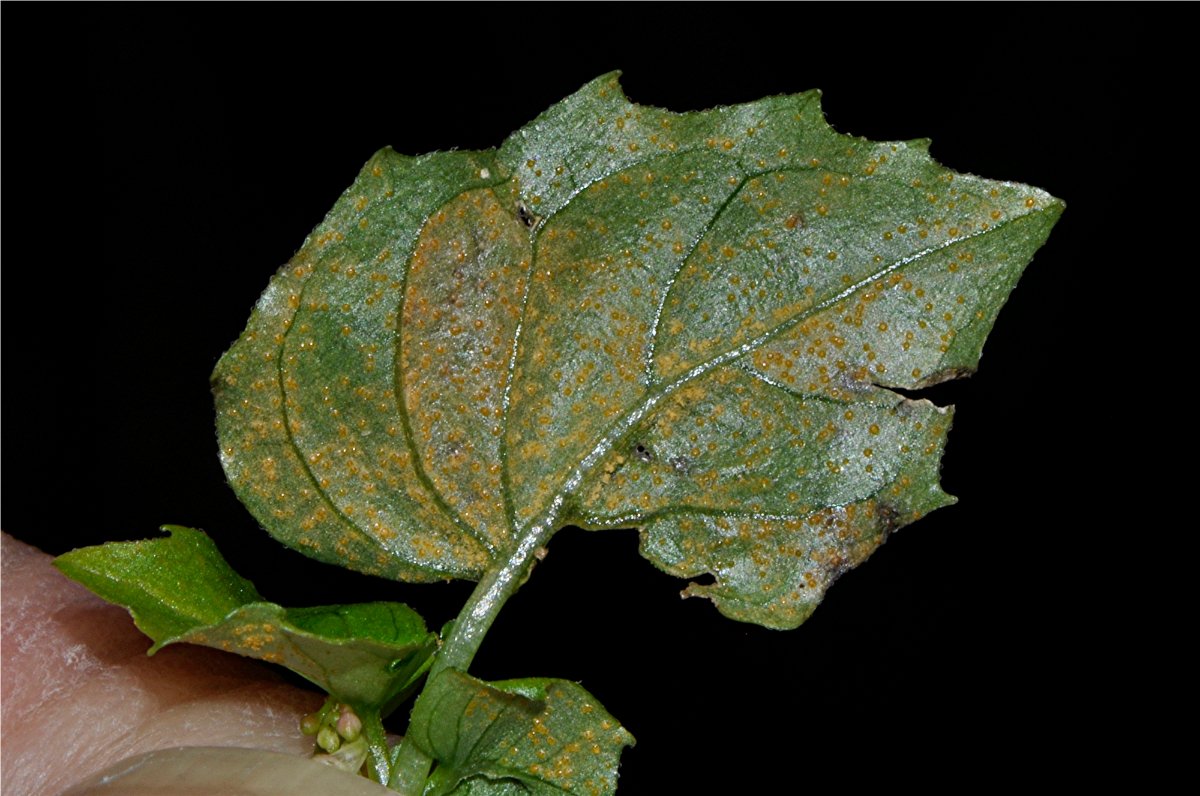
(160, 165)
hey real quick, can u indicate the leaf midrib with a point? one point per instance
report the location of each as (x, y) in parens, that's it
(620, 427)
(748, 175)
(656, 391)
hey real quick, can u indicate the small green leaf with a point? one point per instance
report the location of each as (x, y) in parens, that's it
(179, 589)
(366, 654)
(171, 586)
(479, 786)
(549, 736)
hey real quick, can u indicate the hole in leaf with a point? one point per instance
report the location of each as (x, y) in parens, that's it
(643, 453)
(941, 388)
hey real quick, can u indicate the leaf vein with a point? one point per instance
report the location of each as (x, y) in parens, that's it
(624, 424)
(401, 402)
(287, 425)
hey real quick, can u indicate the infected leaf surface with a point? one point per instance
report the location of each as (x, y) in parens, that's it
(179, 589)
(368, 654)
(315, 436)
(535, 735)
(624, 317)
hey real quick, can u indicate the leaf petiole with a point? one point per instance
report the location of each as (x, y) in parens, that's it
(378, 754)
(411, 766)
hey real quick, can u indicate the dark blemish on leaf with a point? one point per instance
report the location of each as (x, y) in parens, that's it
(525, 216)
(889, 519)
(643, 453)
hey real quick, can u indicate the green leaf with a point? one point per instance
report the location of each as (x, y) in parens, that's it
(171, 586)
(551, 736)
(179, 589)
(368, 654)
(688, 323)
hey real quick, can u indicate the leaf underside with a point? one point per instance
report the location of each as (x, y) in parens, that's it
(179, 589)
(536, 735)
(685, 323)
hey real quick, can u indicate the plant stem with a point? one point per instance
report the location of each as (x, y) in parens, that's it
(410, 769)
(412, 766)
(377, 748)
